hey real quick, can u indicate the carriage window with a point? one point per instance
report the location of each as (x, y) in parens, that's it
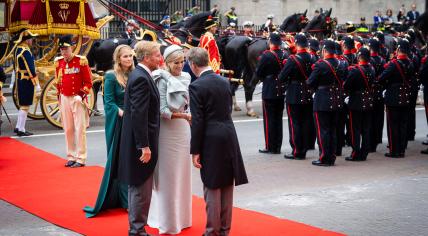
(3, 15)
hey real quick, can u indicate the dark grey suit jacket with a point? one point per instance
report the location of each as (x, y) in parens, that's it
(213, 133)
(140, 127)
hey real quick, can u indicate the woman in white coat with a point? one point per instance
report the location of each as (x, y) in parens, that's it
(171, 206)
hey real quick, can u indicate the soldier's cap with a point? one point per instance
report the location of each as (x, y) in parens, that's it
(403, 46)
(170, 50)
(275, 39)
(314, 44)
(24, 34)
(210, 23)
(301, 40)
(380, 36)
(364, 53)
(329, 45)
(374, 44)
(270, 16)
(349, 42)
(66, 41)
(350, 27)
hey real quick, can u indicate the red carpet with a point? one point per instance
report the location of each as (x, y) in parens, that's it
(37, 182)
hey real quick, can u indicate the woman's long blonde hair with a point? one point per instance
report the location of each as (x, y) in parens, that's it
(121, 75)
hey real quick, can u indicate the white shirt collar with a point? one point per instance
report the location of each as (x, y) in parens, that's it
(205, 70)
(146, 68)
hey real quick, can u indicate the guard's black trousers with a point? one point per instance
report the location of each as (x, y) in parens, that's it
(397, 122)
(411, 128)
(325, 123)
(360, 124)
(376, 131)
(272, 123)
(340, 129)
(301, 128)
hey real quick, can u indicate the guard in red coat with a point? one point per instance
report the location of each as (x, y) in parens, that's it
(208, 42)
(74, 83)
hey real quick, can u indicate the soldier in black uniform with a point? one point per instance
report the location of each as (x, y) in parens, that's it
(314, 48)
(360, 104)
(414, 56)
(383, 52)
(423, 75)
(398, 77)
(349, 50)
(299, 99)
(378, 117)
(342, 138)
(327, 100)
(268, 68)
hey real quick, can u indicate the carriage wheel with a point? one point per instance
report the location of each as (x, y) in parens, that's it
(35, 111)
(50, 104)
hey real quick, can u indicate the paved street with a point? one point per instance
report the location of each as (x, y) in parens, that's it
(381, 196)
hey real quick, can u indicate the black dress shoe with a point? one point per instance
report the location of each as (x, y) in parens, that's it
(394, 155)
(289, 156)
(425, 142)
(264, 151)
(16, 130)
(22, 134)
(353, 159)
(424, 151)
(77, 165)
(320, 163)
(69, 163)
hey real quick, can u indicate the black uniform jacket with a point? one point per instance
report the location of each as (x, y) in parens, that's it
(296, 71)
(268, 68)
(359, 86)
(378, 64)
(398, 81)
(140, 127)
(213, 133)
(329, 90)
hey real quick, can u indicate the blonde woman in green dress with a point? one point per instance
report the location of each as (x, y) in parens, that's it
(112, 193)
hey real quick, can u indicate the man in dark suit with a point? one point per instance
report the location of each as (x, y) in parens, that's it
(214, 143)
(412, 15)
(140, 135)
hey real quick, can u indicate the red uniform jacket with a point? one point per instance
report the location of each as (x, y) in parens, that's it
(208, 42)
(73, 78)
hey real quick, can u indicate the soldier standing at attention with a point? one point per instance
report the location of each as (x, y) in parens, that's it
(360, 105)
(328, 100)
(268, 68)
(299, 99)
(74, 83)
(376, 131)
(398, 77)
(208, 42)
(27, 79)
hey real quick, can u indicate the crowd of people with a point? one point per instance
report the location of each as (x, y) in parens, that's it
(167, 107)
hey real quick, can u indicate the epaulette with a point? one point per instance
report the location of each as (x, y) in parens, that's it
(83, 60)
(56, 60)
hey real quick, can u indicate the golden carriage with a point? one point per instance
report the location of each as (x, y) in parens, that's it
(50, 19)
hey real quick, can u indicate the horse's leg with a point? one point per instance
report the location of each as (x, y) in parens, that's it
(249, 87)
(234, 87)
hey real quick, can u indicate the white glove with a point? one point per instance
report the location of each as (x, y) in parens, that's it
(38, 89)
(347, 100)
(77, 98)
(313, 96)
(383, 93)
